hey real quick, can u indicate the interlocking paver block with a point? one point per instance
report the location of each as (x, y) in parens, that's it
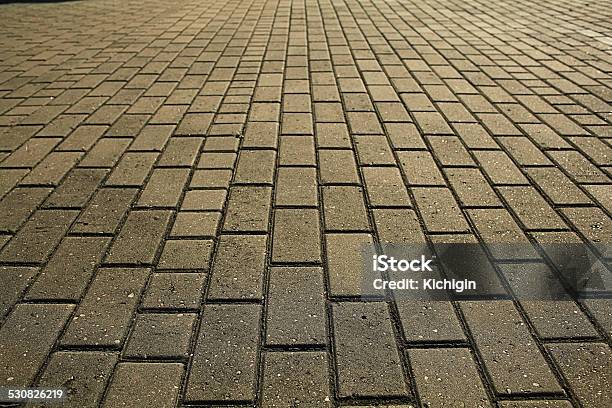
(85, 373)
(70, 269)
(224, 358)
(160, 335)
(367, 358)
(239, 267)
(296, 308)
(144, 384)
(281, 387)
(105, 313)
(38, 237)
(26, 338)
(509, 352)
(139, 238)
(447, 377)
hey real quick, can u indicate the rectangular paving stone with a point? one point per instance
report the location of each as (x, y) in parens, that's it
(345, 260)
(187, 254)
(238, 267)
(52, 169)
(297, 151)
(364, 123)
(162, 335)
(373, 150)
(105, 313)
(296, 236)
(296, 307)
(255, 166)
(139, 238)
(420, 168)
(531, 208)
(261, 135)
(86, 373)
(447, 377)
(296, 124)
(281, 387)
(587, 368)
(248, 209)
(338, 166)
(38, 237)
(471, 187)
(194, 124)
(105, 153)
(507, 348)
(145, 384)
(17, 206)
(30, 153)
(498, 166)
(429, 321)
(15, 280)
(385, 187)
(77, 188)
(224, 361)
(70, 269)
(180, 151)
(26, 338)
(332, 135)
(176, 291)
(195, 224)
(439, 210)
(367, 359)
(152, 137)
(132, 169)
(164, 188)
(344, 208)
(105, 211)
(557, 186)
(204, 200)
(296, 186)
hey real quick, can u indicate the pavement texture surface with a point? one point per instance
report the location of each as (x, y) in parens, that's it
(184, 189)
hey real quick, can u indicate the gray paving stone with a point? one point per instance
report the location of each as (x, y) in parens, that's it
(238, 269)
(367, 358)
(296, 306)
(586, 367)
(224, 366)
(164, 335)
(105, 313)
(38, 236)
(70, 269)
(83, 373)
(26, 338)
(144, 384)
(248, 209)
(510, 354)
(139, 238)
(447, 377)
(296, 236)
(177, 291)
(105, 211)
(15, 281)
(281, 387)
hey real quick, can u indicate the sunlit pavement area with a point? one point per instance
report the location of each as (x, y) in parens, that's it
(185, 188)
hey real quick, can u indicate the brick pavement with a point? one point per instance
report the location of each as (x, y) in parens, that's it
(184, 189)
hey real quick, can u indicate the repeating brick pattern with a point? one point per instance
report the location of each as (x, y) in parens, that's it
(186, 187)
